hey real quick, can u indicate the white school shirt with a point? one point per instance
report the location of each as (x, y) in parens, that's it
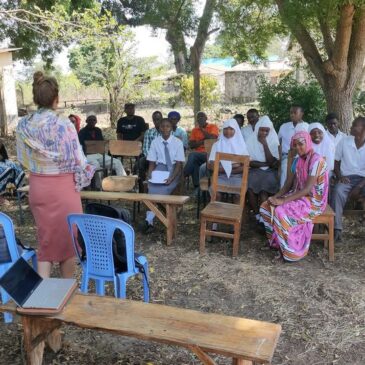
(247, 132)
(338, 137)
(287, 131)
(175, 147)
(352, 159)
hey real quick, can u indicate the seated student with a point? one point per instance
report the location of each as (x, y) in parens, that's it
(166, 154)
(252, 118)
(288, 215)
(149, 136)
(178, 132)
(349, 171)
(230, 141)
(131, 127)
(92, 133)
(323, 145)
(76, 121)
(286, 132)
(10, 172)
(332, 128)
(198, 156)
(240, 119)
(263, 148)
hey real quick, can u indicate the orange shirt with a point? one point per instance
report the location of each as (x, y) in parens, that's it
(197, 135)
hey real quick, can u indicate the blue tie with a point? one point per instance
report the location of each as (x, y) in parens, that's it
(167, 157)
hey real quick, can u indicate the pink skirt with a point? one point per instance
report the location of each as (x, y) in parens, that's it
(52, 198)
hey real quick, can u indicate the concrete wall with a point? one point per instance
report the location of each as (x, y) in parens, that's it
(241, 86)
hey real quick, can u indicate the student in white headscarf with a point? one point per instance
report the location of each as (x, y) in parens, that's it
(263, 180)
(231, 141)
(323, 145)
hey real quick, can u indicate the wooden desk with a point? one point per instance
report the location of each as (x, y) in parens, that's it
(168, 218)
(242, 339)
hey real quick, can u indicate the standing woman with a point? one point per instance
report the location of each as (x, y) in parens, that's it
(48, 146)
(288, 215)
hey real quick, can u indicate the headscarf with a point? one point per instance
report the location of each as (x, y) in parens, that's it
(235, 145)
(303, 162)
(174, 114)
(326, 148)
(256, 149)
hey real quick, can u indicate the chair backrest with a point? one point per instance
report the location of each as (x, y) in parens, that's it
(98, 232)
(208, 144)
(125, 148)
(95, 147)
(245, 161)
(8, 228)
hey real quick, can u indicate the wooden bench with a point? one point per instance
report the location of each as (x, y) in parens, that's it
(244, 340)
(152, 201)
(327, 218)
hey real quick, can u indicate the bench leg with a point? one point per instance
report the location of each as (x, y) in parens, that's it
(242, 362)
(203, 228)
(236, 239)
(331, 243)
(37, 331)
(202, 356)
(172, 223)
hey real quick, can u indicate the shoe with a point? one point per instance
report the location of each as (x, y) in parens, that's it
(145, 227)
(195, 192)
(338, 235)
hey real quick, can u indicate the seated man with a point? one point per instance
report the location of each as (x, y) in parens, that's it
(131, 127)
(349, 171)
(198, 156)
(252, 118)
(92, 133)
(333, 131)
(178, 132)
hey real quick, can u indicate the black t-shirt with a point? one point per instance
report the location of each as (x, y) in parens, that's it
(131, 128)
(87, 134)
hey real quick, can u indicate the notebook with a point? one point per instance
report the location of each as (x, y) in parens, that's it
(33, 294)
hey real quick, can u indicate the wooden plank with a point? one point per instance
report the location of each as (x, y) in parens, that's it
(229, 336)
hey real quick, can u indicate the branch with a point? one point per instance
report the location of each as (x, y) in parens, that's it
(213, 31)
(310, 50)
(357, 49)
(343, 37)
(327, 36)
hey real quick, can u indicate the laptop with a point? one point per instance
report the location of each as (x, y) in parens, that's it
(33, 294)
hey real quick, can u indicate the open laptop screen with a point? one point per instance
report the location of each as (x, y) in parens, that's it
(20, 281)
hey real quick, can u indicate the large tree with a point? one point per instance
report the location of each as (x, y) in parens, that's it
(331, 35)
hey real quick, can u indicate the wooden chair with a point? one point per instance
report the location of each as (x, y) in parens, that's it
(204, 182)
(120, 148)
(225, 213)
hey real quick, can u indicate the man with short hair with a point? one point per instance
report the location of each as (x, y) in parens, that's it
(131, 127)
(240, 119)
(286, 132)
(349, 171)
(174, 117)
(333, 131)
(198, 156)
(92, 133)
(252, 118)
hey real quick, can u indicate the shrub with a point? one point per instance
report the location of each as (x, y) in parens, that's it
(275, 100)
(208, 90)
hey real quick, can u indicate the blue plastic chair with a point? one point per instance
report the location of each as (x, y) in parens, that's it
(8, 227)
(97, 232)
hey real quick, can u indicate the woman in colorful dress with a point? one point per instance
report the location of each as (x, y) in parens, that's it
(48, 146)
(288, 215)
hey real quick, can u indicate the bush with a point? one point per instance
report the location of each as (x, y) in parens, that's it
(275, 100)
(208, 90)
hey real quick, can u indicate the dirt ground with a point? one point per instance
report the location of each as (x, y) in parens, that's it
(320, 305)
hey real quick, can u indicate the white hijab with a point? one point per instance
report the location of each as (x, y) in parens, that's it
(256, 149)
(235, 145)
(326, 148)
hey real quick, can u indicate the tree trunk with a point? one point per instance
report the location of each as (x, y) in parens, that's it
(178, 47)
(340, 102)
(195, 65)
(113, 110)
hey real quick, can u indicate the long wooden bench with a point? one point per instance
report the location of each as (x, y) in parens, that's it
(152, 201)
(244, 340)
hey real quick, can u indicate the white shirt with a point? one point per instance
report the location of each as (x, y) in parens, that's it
(338, 137)
(352, 159)
(287, 131)
(175, 147)
(247, 132)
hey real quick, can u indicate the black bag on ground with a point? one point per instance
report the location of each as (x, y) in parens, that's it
(119, 253)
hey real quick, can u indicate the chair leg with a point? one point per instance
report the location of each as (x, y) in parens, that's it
(84, 283)
(134, 211)
(146, 288)
(331, 246)
(122, 287)
(8, 317)
(100, 287)
(203, 227)
(236, 239)
(21, 216)
(198, 204)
